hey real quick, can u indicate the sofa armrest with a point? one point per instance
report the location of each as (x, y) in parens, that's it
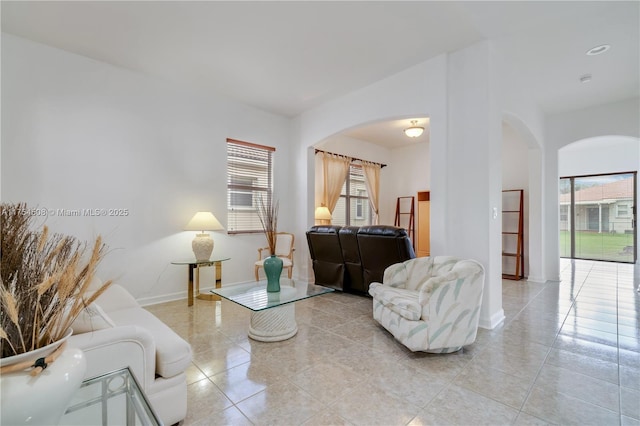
(114, 348)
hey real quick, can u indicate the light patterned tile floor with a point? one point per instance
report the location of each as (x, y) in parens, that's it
(568, 353)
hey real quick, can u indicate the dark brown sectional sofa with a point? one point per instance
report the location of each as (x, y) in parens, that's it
(349, 258)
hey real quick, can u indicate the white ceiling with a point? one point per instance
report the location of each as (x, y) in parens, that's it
(287, 57)
(390, 134)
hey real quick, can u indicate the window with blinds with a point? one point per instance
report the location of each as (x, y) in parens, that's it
(249, 178)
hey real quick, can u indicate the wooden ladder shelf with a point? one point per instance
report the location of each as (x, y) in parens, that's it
(405, 216)
(513, 205)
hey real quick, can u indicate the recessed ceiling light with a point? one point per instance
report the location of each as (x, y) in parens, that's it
(585, 78)
(598, 49)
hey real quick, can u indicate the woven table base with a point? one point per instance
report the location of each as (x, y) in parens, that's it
(274, 325)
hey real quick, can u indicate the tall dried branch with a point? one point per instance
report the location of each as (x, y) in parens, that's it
(44, 281)
(268, 213)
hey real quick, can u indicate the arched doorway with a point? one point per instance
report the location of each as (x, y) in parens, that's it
(522, 169)
(597, 199)
(407, 160)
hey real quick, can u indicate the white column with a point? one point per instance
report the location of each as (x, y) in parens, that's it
(599, 218)
(474, 170)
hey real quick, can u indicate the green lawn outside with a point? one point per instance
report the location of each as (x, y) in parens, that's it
(605, 246)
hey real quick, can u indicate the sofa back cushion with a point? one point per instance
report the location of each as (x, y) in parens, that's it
(381, 246)
(418, 271)
(326, 255)
(116, 298)
(443, 264)
(351, 255)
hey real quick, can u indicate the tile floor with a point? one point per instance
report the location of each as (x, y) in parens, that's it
(568, 353)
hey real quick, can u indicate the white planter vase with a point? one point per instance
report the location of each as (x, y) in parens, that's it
(41, 399)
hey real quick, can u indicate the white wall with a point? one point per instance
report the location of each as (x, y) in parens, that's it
(615, 119)
(409, 172)
(79, 133)
(515, 158)
(599, 155)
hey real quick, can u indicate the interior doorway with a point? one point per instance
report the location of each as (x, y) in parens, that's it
(598, 217)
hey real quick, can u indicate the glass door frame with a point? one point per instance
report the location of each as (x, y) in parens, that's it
(571, 214)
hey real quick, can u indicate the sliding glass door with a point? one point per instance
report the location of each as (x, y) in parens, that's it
(598, 217)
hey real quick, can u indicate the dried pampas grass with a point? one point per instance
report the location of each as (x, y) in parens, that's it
(44, 281)
(268, 213)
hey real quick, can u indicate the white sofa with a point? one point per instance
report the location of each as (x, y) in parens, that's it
(430, 304)
(116, 332)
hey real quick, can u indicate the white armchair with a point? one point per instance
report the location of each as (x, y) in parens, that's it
(116, 332)
(284, 250)
(430, 304)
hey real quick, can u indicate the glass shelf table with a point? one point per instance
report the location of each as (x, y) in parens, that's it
(110, 399)
(196, 265)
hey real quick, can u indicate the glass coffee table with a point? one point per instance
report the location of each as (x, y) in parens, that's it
(273, 315)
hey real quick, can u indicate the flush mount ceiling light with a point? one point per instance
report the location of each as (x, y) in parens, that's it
(598, 50)
(414, 131)
(585, 78)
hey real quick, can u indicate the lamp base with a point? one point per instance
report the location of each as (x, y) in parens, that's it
(202, 246)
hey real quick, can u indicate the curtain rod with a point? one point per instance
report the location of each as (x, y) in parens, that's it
(352, 158)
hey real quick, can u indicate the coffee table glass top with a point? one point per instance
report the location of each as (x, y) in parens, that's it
(254, 296)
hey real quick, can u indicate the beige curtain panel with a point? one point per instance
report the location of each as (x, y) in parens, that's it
(335, 168)
(372, 181)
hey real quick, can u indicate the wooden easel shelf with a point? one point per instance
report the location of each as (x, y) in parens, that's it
(405, 216)
(509, 199)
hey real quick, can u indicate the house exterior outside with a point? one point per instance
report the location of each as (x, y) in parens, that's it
(601, 208)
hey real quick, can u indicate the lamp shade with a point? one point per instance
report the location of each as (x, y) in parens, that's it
(322, 213)
(203, 221)
(414, 131)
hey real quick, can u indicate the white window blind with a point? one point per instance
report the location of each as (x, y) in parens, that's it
(249, 178)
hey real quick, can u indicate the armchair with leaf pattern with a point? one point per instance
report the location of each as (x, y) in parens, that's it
(430, 304)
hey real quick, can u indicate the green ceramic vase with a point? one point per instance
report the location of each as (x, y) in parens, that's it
(273, 269)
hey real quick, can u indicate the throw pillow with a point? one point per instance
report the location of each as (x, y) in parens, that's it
(91, 318)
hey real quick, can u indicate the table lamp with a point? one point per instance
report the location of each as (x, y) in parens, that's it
(202, 244)
(323, 215)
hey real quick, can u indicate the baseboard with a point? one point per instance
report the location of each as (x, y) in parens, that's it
(154, 300)
(537, 280)
(495, 320)
(181, 295)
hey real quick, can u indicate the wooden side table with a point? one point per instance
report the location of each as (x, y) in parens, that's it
(196, 265)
